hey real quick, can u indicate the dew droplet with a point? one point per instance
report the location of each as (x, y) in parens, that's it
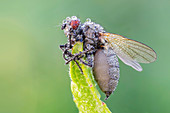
(68, 19)
(88, 20)
(74, 18)
(64, 21)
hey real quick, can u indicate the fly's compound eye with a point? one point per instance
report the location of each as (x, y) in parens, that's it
(75, 22)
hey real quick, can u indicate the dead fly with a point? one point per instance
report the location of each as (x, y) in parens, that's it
(101, 50)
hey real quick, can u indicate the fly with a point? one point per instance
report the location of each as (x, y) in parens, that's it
(101, 50)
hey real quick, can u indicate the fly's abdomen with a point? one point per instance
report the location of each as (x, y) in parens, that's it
(106, 70)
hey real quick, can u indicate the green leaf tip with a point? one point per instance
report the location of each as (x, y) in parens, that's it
(83, 87)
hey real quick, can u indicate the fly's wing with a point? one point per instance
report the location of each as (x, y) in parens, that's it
(129, 51)
(131, 63)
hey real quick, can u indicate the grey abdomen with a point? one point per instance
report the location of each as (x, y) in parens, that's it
(106, 70)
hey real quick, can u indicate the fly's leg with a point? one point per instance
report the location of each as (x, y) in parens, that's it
(68, 56)
(83, 62)
(78, 56)
(66, 47)
(87, 64)
(78, 66)
(66, 52)
(70, 44)
(63, 47)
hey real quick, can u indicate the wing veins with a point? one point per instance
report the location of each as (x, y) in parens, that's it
(146, 48)
(131, 50)
(140, 55)
(124, 50)
(144, 52)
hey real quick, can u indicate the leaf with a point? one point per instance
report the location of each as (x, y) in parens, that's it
(85, 94)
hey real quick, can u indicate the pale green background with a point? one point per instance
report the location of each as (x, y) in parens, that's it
(33, 77)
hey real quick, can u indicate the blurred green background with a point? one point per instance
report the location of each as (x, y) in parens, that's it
(33, 77)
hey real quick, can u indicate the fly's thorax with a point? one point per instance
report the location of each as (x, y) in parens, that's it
(106, 70)
(91, 29)
(91, 33)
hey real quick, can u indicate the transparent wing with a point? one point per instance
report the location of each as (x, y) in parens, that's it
(131, 63)
(130, 51)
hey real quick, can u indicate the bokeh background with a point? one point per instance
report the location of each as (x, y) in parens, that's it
(33, 77)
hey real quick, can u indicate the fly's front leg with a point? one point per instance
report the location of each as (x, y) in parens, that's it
(66, 53)
(66, 47)
(68, 56)
(78, 56)
(70, 42)
(63, 47)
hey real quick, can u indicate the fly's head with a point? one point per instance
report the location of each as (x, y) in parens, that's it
(70, 25)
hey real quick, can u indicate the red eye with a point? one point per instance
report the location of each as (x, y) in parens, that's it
(75, 24)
